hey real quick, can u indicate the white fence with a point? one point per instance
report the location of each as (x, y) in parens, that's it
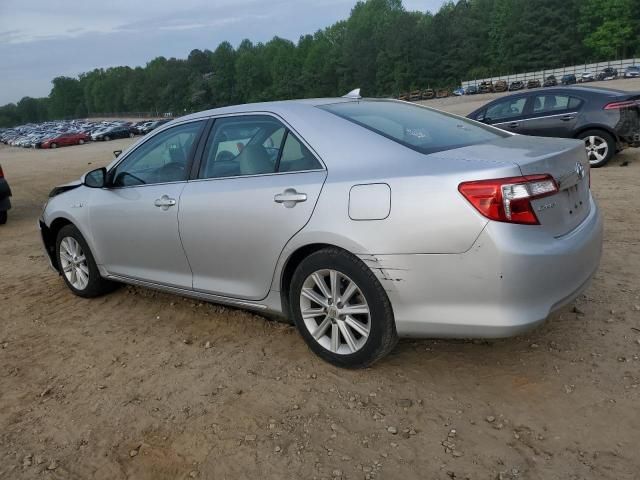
(577, 70)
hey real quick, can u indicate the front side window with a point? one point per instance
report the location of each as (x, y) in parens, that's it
(163, 158)
(253, 145)
(554, 103)
(421, 129)
(505, 110)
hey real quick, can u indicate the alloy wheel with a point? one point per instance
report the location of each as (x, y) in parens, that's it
(597, 148)
(74, 263)
(335, 311)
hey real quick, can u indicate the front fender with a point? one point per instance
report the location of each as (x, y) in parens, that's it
(70, 207)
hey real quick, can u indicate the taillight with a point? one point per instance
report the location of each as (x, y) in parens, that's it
(509, 199)
(1, 173)
(619, 105)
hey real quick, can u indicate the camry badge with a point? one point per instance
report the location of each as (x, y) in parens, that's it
(579, 170)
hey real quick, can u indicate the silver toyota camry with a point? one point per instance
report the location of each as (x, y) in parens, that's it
(360, 220)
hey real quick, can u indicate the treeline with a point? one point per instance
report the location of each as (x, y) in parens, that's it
(381, 48)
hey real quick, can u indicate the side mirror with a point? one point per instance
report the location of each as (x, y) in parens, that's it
(95, 178)
(116, 153)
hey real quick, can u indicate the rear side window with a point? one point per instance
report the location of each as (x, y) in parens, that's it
(419, 128)
(253, 145)
(554, 103)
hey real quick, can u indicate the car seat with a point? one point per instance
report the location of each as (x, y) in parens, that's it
(255, 160)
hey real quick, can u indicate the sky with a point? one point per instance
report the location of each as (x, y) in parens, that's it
(43, 39)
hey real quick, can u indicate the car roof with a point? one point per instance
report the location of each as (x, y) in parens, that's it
(279, 107)
(589, 89)
(571, 88)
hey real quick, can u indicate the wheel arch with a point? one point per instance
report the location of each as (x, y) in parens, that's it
(49, 235)
(291, 264)
(604, 128)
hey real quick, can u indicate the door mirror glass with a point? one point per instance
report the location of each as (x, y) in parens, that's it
(96, 178)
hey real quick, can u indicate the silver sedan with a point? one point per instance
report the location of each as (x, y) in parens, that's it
(359, 220)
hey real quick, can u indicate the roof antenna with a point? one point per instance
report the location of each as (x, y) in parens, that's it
(355, 94)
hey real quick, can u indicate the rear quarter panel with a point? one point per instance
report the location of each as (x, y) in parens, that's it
(427, 215)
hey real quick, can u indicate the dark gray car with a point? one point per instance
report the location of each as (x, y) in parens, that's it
(607, 120)
(5, 194)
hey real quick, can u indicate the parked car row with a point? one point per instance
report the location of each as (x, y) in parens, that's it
(608, 73)
(64, 133)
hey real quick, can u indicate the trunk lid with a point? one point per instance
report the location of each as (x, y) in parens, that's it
(564, 159)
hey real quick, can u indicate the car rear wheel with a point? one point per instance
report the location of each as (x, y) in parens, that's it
(600, 145)
(3, 217)
(107, 138)
(54, 145)
(341, 310)
(77, 265)
(131, 135)
(81, 142)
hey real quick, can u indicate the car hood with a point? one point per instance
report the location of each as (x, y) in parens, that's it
(64, 188)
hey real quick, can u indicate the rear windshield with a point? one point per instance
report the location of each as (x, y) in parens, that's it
(419, 128)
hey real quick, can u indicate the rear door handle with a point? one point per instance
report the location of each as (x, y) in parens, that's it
(566, 118)
(165, 202)
(290, 197)
(513, 125)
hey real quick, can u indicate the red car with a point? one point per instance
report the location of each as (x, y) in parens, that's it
(65, 139)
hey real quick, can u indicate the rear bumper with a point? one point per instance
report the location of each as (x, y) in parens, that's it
(507, 283)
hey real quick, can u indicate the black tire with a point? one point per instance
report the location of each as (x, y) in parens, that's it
(107, 138)
(382, 328)
(3, 217)
(611, 146)
(96, 285)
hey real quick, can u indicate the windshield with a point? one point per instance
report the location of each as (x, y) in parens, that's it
(419, 128)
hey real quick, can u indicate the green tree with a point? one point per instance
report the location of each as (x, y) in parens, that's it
(610, 27)
(66, 98)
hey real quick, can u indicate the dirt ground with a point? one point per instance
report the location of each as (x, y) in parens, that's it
(144, 385)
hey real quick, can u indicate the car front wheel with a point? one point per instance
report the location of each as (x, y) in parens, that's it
(77, 265)
(341, 310)
(600, 145)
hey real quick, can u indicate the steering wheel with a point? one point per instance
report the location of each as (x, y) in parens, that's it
(173, 166)
(224, 156)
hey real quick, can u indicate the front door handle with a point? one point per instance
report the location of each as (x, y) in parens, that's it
(513, 125)
(290, 197)
(165, 202)
(566, 118)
